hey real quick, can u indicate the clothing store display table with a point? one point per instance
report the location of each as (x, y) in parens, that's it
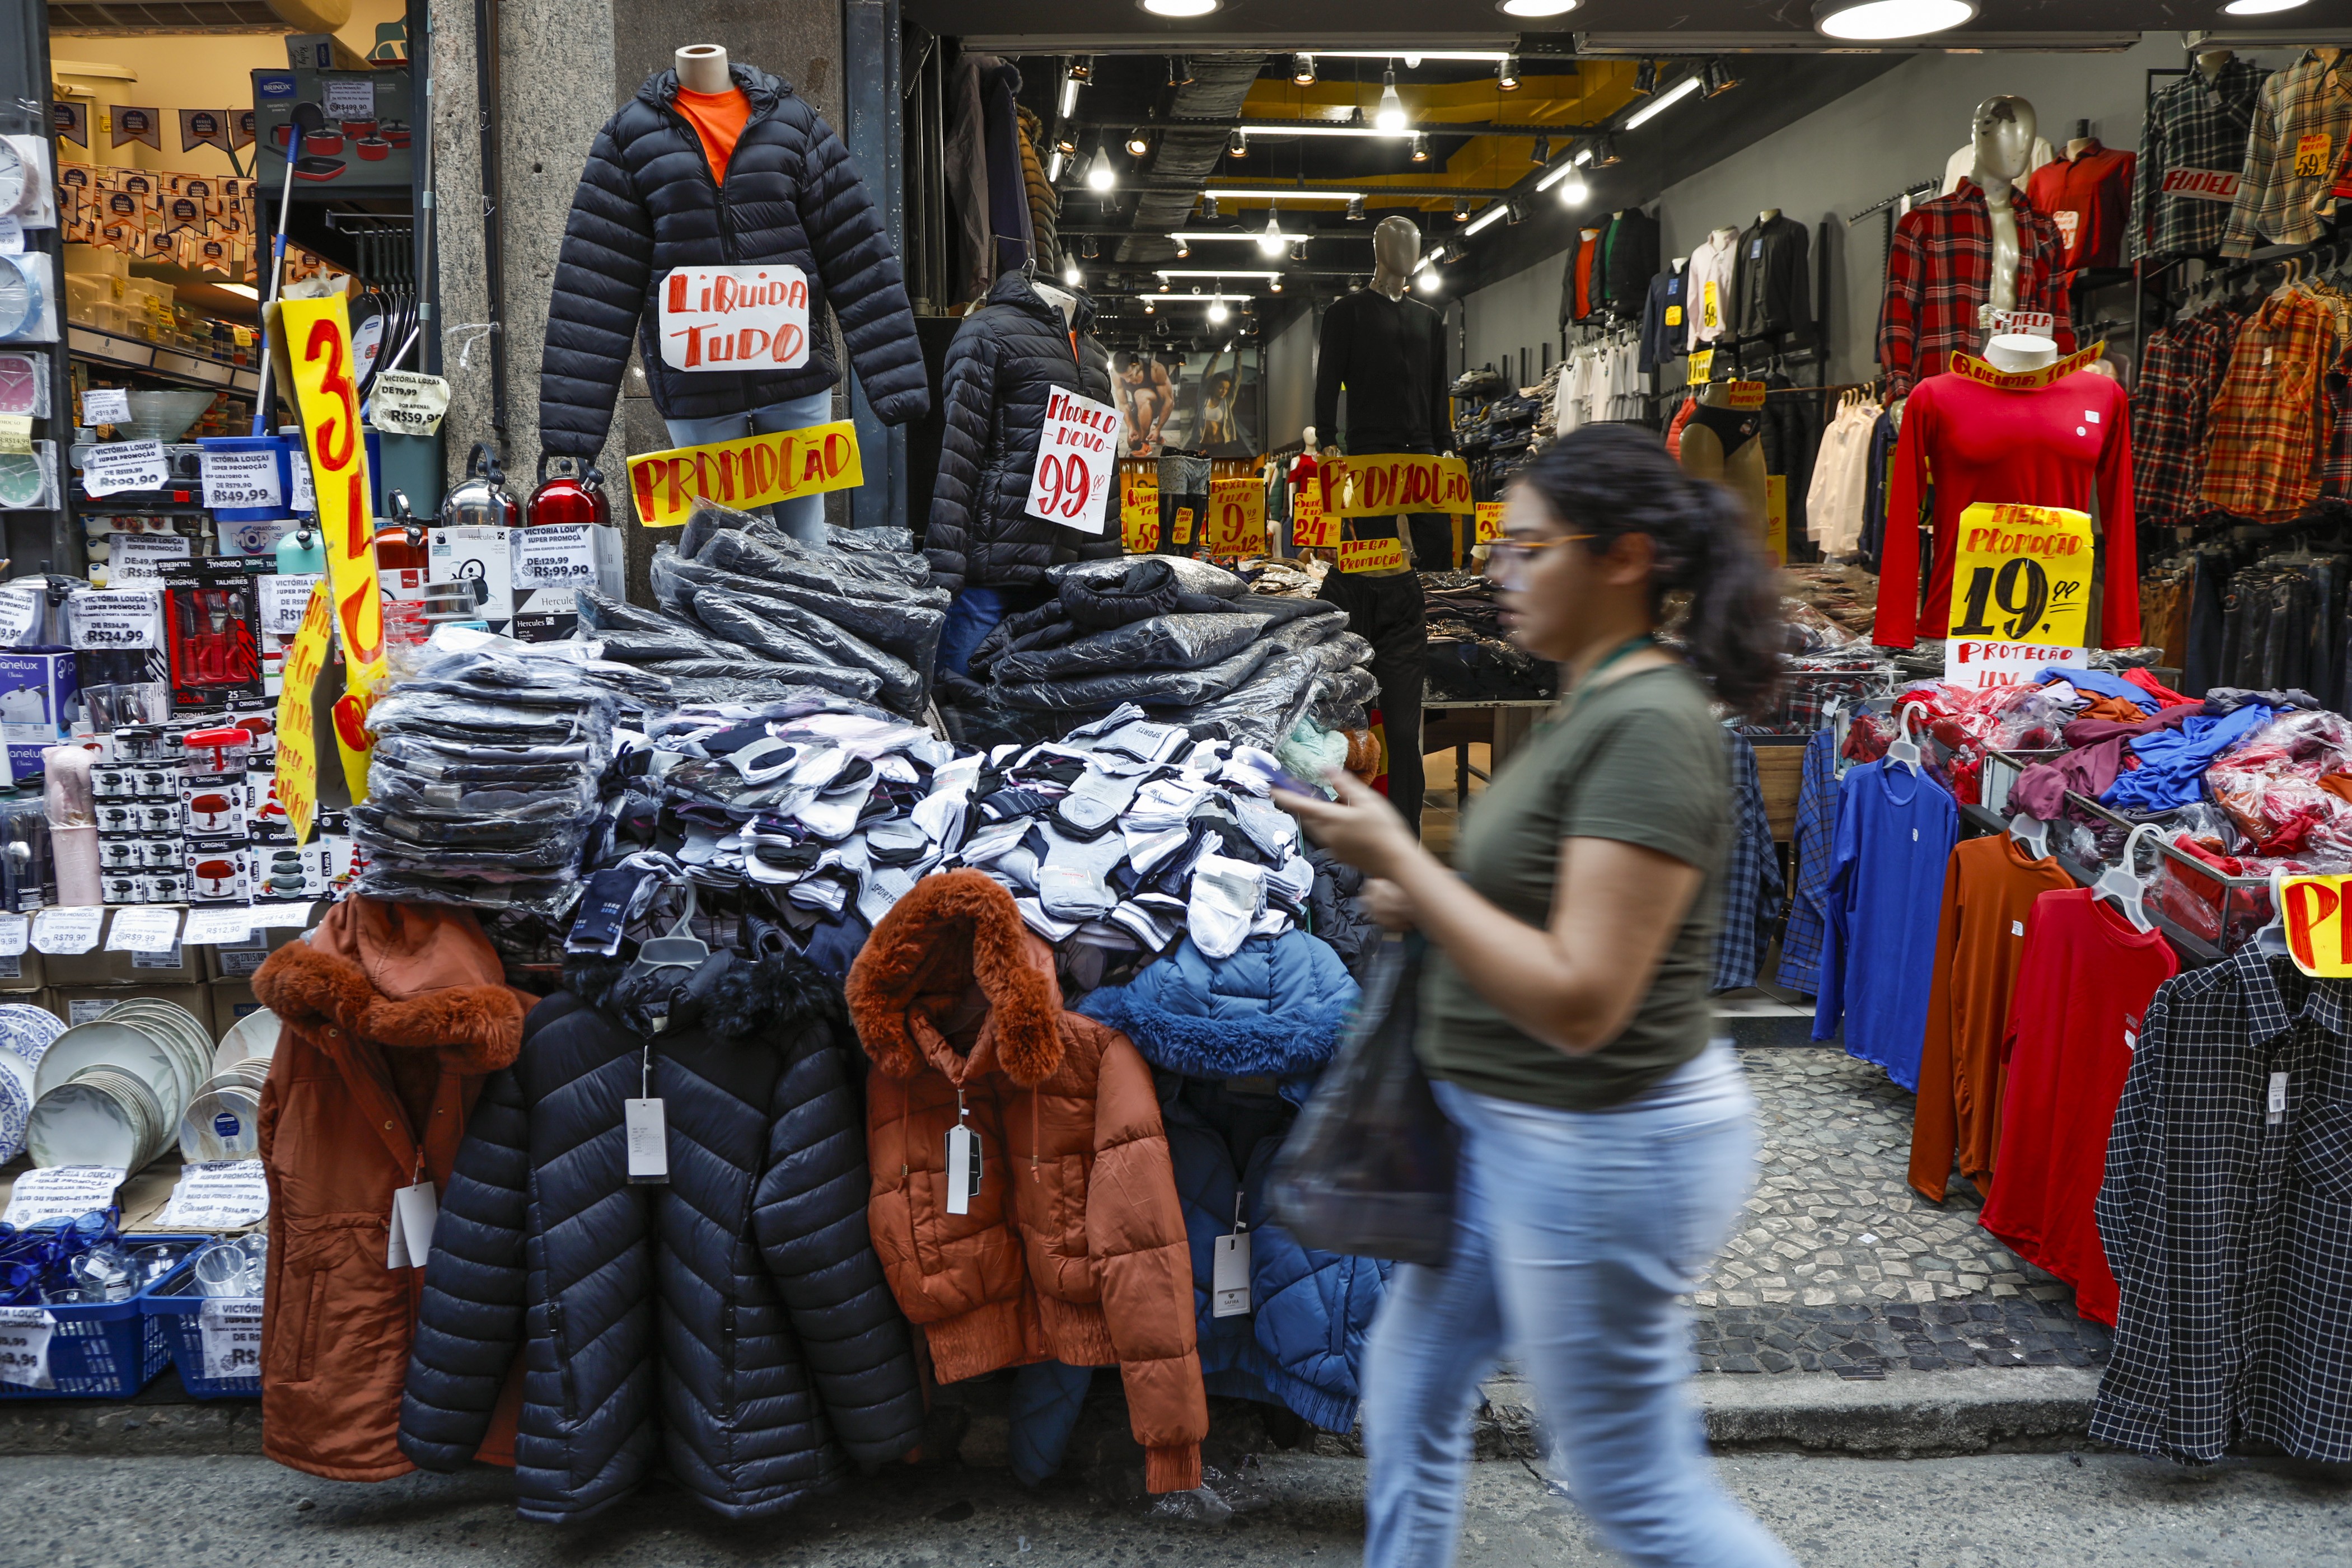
(1503, 726)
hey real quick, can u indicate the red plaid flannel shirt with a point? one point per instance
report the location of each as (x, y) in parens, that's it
(2270, 420)
(2171, 408)
(1939, 271)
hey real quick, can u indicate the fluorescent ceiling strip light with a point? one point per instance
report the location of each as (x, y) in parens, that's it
(1270, 132)
(1225, 195)
(1069, 95)
(1492, 214)
(1411, 54)
(1208, 272)
(1054, 167)
(1660, 104)
(1560, 172)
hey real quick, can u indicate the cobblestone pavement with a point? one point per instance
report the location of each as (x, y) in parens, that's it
(1841, 1267)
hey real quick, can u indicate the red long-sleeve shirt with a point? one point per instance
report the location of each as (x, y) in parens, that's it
(2057, 445)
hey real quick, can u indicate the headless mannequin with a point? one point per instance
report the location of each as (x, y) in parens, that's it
(1767, 216)
(2014, 352)
(1739, 469)
(1066, 303)
(1396, 247)
(2003, 131)
(702, 68)
(2211, 61)
(2080, 141)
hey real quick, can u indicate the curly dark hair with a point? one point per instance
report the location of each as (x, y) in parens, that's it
(1609, 480)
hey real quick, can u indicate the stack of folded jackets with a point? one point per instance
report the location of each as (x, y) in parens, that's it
(484, 781)
(1470, 660)
(1181, 638)
(747, 612)
(1130, 831)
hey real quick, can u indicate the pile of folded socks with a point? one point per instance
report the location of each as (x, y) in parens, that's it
(483, 784)
(1131, 832)
(747, 612)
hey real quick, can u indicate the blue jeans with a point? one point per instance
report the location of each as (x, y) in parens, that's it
(803, 517)
(1574, 1232)
(971, 618)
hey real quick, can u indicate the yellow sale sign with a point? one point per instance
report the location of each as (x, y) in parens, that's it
(1236, 523)
(2318, 919)
(2023, 574)
(1490, 521)
(752, 472)
(1371, 555)
(1384, 484)
(1312, 528)
(297, 734)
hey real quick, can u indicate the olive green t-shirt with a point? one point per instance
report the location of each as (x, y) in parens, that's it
(1640, 759)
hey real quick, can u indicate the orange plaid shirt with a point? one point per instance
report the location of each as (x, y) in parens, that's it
(2270, 422)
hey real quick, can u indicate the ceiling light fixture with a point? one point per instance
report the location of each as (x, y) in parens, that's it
(1070, 273)
(1390, 116)
(1608, 153)
(1421, 147)
(1091, 251)
(1542, 154)
(1429, 281)
(1355, 209)
(1237, 143)
(1298, 248)
(1220, 274)
(1534, 7)
(1492, 215)
(1573, 190)
(1181, 7)
(1273, 239)
(1137, 143)
(1506, 73)
(1182, 248)
(1663, 101)
(1209, 208)
(1881, 19)
(1101, 175)
(1276, 285)
(1217, 312)
(1054, 167)
(1082, 68)
(1302, 69)
(2258, 7)
(1460, 209)
(1293, 193)
(1065, 142)
(1719, 79)
(1645, 77)
(1070, 85)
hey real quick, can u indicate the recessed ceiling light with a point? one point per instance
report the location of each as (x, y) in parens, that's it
(1534, 7)
(1881, 19)
(1180, 7)
(2258, 7)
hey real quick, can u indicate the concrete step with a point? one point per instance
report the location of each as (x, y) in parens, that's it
(1766, 1018)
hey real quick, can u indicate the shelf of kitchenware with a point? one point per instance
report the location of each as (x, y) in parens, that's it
(130, 353)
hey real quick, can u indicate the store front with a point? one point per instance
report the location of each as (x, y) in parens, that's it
(614, 611)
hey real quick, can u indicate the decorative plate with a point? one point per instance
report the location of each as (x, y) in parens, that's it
(15, 1105)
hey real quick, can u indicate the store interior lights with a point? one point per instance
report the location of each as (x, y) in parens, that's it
(1719, 79)
(1390, 115)
(1460, 209)
(1881, 19)
(1663, 101)
(1209, 208)
(1273, 239)
(1237, 144)
(1302, 69)
(1101, 175)
(1542, 154)
(1506, 73)
(1181, 7)
(1071, 273)
(1492, 215)
(1536, 7)
(1355, 209)
(1574, 190)
(1421, 147)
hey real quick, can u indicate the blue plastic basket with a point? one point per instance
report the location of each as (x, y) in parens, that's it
(174, 1306)
(109, 1352)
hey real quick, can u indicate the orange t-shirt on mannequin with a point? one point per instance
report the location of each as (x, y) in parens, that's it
(717, 117)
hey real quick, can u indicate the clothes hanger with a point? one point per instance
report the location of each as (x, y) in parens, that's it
(677, 948)
(2032, 832)
(2271, 940)
(1902, 748)
(2120, 882)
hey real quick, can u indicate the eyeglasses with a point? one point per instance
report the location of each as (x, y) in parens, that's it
(1508, 558)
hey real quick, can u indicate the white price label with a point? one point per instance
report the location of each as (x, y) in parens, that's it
(246, 479)
(66, 929)
(146, 555)
(115, 465)
(555, 556)
(229, 1330)
(143, 931)
(304, 498)
(218, 1195)
(12, 236)
(218, 925)
(25, 1346)
(1229, 1276)
(404, 403)
(348, 97)
(649, 1140)
(284, 597)
(106, 405)
(20, 614)
(16, 931)
(297, 914)
(52, 1193)
(1077, 456)
(116, 618)
(734, 319)
(2029, 323)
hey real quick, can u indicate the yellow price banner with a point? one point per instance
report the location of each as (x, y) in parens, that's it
(1701, 369)
(2021, 594)
(2311, 156)
(1236, 521)
(1139, 499)
(1490, 521)
(297, 735)
(1180, 530)
(1710, 308)
(752, 472)
(1747, 397)
(1384, 484)
(2318, 920)
(1969, 368)
(1371, 555)
(1312, 528)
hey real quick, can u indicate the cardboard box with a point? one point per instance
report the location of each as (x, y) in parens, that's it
(550, 563)
(25, 971)
(38, 696)
(483, 558)
(80, 1004)
(212, 617)
(230, 1002)
(240, 960)
(181, 964)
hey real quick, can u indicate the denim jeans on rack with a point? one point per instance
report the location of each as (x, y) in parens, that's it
(803, 517)
(1574, 1233)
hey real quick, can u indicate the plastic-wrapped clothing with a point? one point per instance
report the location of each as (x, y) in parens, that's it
(751, 679)
(1161, 643)
(893, 541)
(903, 627)
(1258, 712)
(599, 613)
(2172, 762)
(1191, 576)
(849, 574)
(1162, 688)
(855, 571)
(1146, 589)
(783, 632)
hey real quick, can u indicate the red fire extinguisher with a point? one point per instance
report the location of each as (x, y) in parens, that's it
(576, 497)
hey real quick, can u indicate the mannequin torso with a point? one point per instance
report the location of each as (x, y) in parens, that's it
(702, 68)
(2015, 351)
(1065, 303)
(2003, 129)
(1719, 444)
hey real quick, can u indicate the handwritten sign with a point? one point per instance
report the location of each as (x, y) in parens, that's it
(1700, 369)
(1076, 453)
(2201, 184)
(751, 472)
(1371, 555)
(1973, 368)
(297, 736)
(2021, 594)
(1180, 530)
(1746, 397)
(218, 1195)
(1139, 513)
(1237, 522)
(1385, 484)
(1312, 528)
(57, 1193)
(2319, 925)
(734, 319)
(1490, 521)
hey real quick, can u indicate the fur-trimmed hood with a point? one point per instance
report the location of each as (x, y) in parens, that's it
(1275, 1006)
(403, 978)
(949, 933)
(730, 996)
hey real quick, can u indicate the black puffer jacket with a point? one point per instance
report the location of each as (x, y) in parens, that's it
(646, 203)
(735, 1318)
(1001, 369)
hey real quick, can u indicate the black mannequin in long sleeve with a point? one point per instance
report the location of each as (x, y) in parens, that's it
(1390, 355)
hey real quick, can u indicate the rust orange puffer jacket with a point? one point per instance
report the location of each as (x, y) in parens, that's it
(1074, 1249)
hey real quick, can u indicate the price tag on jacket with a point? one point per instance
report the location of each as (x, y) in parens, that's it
(106, 405)
(52, 1193)
(25, 1346)
(151, 930)
(734, 319)
(146, 555)
(1078, 452)
(283, 596)
(240, 479)
(65, 929)
(964, 1168)
(404, 403)
(115, 465)
(1229, 1276)
(648, 1134)
(414, 1211)
(229, 1331)
(218, 1195)
(111, 620)
(2311, 155)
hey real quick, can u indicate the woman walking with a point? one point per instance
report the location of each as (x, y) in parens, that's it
(1606, 1145)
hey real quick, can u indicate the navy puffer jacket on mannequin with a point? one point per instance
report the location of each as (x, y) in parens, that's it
(1003, 368)
(648, 204)
(734, 1321)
